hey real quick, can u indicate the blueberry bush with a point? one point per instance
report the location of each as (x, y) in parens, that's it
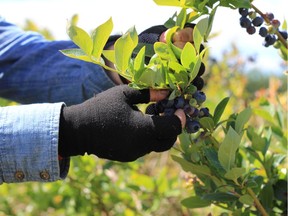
(230, 158)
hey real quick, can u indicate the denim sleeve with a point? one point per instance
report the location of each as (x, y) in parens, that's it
(33, 70)
(29, 144)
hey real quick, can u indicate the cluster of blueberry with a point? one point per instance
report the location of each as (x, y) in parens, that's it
(250, 20)
(190, 102)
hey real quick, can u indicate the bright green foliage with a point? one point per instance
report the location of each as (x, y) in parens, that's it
(163, 70)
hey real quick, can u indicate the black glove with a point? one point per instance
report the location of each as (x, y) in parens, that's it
(110, 126)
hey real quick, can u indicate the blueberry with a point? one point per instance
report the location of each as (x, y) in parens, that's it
(263, 32)
(251, 30)
(270, 16)
(192, 126)
(179, 102)
(191, 111)
(204, 112)
(245, 22)
(284, 34)
(198, 82)
(243, 11)
(201, 70)
(270, 39)
(199, 96)
(257, 21)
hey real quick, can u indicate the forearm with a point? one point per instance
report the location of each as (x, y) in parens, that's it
(33, 70)
(29, 144)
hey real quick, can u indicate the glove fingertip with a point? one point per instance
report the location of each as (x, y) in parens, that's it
(167, 126)
(135, 96)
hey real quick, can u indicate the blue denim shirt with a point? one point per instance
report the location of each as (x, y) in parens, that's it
(33, 71)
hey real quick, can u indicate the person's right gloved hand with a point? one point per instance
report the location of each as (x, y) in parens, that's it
(110, 126)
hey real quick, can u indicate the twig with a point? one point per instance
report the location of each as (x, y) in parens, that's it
(257, 202)
(283, 41)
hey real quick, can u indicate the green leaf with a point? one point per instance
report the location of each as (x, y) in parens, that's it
(167, 2)
(210, 21)
(185, 141)
(246, 199)
(76, 54)
(258, 143)
(164, 51)
(265, 115)
(149, 49)
(220, 197)
(193, 73)
(139, 64)
(228, 148)
(266, 197)
(212, 158)
(236, 3)
(152, 78)
(193, 15)
(110, 55)
(190, 167)
(74, 20)
(220, 109)
(178, 74)
(199, 33)
(81, 38)
(124, 47)
(181, 18)
(207, 123)
(195, 202)
(100, 37)
(242, 119)
(235, 173)
(188, 56)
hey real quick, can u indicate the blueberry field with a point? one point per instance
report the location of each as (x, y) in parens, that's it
(231, 160)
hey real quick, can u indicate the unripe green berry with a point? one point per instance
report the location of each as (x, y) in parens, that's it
(252, 14)
(277, 45)
(271, 29)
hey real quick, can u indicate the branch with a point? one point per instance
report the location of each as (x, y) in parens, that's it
(283, 41)
(257, 202)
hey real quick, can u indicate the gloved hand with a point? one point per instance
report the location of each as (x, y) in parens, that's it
(110, 126)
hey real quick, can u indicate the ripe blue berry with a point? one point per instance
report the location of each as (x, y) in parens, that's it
(269, 40)
(263, 32)
(189, 110)
(257, 21)
(270, 16)
(204, 112)
(199, 96)
(179, 102)
(198, 82)
(284, 34)
(201, 70)
(245, 22)
(251, 30)
(243, 11)
(192, 126)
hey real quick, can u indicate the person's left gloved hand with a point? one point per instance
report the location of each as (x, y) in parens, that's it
(110, 126)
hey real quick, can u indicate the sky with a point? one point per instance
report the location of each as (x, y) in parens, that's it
(53, 15)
